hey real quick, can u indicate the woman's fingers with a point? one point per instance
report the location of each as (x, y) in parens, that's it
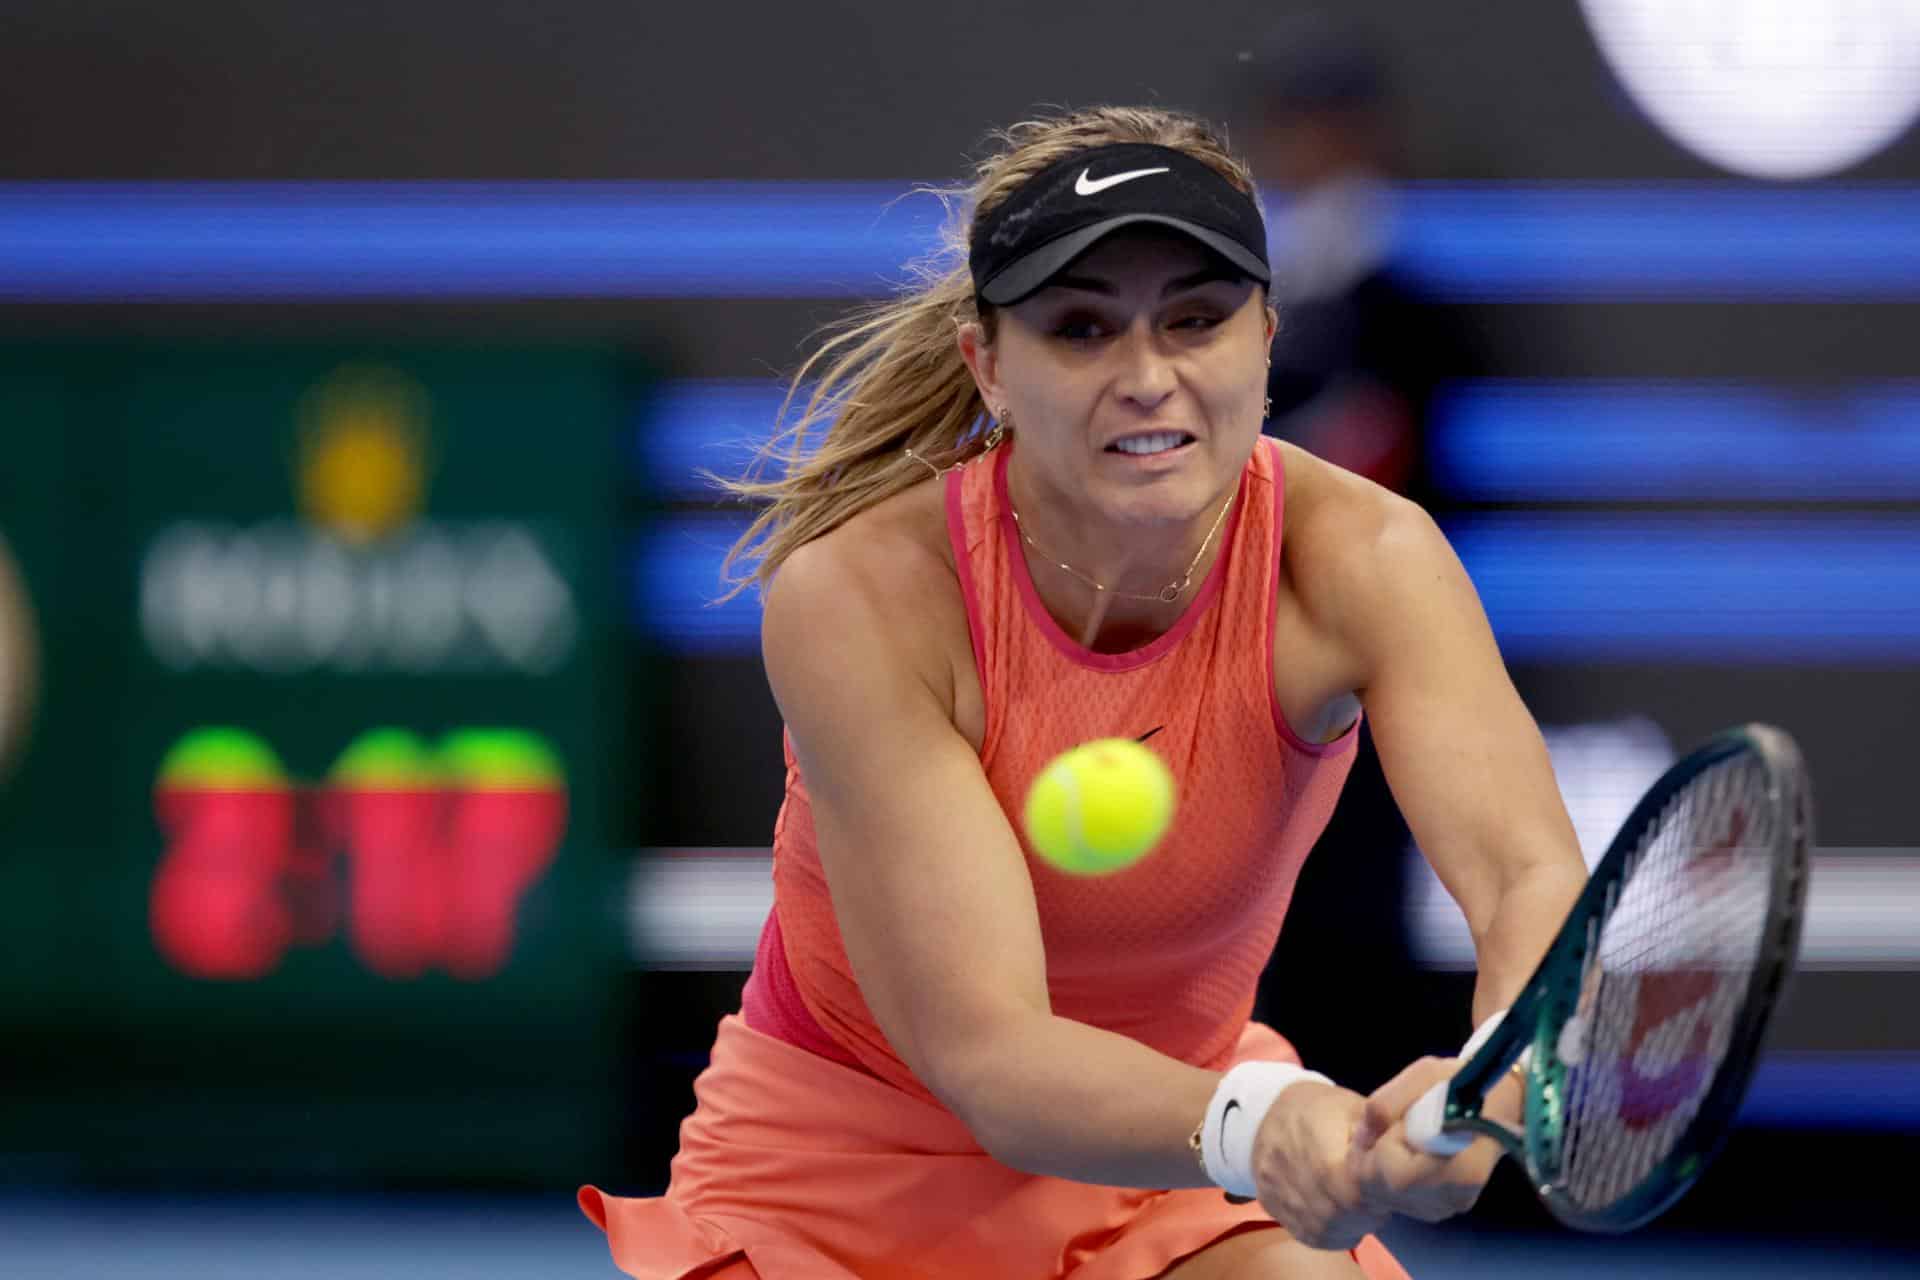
(1387, 1104)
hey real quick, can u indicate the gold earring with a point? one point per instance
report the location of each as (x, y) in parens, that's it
(1267, 412)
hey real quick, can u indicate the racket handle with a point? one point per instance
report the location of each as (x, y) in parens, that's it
(1424, 1124)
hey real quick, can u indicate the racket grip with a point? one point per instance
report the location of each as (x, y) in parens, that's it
(1424, 1124)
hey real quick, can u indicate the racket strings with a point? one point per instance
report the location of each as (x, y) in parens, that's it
(1662, 990)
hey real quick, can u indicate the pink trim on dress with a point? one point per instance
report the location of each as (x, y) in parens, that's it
(963, 565)
(1287, 735)
(770, 1003)
(1066, 644)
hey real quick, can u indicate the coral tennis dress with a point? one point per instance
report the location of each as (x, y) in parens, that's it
(815, 1152)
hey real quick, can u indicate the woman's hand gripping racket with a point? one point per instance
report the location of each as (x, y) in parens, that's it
(1637, 1034)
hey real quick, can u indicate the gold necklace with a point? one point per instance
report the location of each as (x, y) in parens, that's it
(1165, 595)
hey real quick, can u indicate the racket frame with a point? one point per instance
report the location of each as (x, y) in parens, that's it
(1547, 1002)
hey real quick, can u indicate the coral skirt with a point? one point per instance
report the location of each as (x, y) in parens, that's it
(811, 1170)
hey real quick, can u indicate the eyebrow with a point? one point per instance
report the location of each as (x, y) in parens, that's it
(1206, 275)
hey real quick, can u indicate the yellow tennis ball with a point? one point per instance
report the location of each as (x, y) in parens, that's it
(1100, 807)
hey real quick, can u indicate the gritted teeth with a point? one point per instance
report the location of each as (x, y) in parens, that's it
(1150, 442)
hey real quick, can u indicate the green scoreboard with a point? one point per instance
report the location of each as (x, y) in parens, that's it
(307, 865)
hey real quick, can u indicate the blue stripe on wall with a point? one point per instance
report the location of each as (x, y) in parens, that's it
(1494, 441)
(675, 580)
(1612, 588)
(98, 242)
(687, 426)
(1835, 1091)
(1612, 442)
(1664, 241)
(1709, 588)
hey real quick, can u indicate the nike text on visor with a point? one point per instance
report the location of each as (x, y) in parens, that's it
(1060, 212)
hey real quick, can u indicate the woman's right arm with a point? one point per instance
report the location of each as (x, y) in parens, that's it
(933, 896)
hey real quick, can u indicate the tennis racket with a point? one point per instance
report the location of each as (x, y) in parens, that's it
(1637, 1034)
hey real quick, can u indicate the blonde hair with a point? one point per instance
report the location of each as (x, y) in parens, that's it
(891, 379)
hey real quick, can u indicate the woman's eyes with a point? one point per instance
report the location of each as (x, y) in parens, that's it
(1084, 328)
(1080, 329)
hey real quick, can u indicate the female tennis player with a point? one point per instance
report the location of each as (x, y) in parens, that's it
(1043, 512)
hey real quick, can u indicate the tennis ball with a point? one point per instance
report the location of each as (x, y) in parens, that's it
(1100, 807)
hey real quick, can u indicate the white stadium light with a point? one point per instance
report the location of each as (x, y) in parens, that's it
(1777, 89)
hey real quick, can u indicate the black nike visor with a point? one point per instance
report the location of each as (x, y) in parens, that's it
(1072, 204)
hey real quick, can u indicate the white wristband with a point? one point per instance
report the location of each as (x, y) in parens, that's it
(1239, 1104)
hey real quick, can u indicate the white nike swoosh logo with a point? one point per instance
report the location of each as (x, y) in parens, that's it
(1082, 187)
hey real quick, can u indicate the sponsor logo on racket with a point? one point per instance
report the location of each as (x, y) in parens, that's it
(1667, 1059)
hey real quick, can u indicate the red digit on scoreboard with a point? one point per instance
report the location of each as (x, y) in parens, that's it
(506, 813)
(385, 802)
(217, 906)
(440, 849)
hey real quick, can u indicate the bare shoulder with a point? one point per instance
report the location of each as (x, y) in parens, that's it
(1352, 546)
(880, 587)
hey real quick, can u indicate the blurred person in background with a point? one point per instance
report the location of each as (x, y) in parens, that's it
(1362, 349)
(18, 659)
(1359, 356)
(1041, 510)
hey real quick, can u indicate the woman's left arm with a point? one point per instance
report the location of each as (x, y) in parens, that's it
(1470, 772)
(1464, 758)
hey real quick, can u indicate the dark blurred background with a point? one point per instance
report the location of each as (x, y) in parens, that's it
(383, 803)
